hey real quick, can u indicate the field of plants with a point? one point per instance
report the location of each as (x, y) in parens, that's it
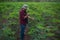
(45, 26)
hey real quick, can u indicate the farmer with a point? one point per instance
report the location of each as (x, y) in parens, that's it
(23, 19)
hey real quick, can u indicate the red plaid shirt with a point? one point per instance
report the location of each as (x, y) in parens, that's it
(22, 15)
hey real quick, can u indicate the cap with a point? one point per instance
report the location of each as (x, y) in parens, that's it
(25, 6)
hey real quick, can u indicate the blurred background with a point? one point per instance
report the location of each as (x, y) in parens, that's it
(46, 25)
(30, 0)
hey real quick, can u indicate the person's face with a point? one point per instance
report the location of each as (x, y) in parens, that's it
(25, 8)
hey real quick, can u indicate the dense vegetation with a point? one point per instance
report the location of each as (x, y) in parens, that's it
(45, 26)
(29, 0)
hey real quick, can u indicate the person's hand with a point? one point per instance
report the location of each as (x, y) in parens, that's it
(26, 16)
(32, 18)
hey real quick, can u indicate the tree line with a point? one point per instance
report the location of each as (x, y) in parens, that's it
(30, 0)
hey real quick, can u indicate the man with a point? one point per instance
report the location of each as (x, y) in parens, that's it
(23, 20)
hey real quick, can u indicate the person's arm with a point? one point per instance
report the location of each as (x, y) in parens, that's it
(30, 17)
(26, 16)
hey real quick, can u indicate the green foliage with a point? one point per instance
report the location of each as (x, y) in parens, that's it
(7, 34)
(46, 14)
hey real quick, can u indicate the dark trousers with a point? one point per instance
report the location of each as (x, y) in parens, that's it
(22, 31)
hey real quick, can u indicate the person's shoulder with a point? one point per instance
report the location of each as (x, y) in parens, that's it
(21, 10)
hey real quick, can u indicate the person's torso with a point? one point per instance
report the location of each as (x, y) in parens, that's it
(23, 21)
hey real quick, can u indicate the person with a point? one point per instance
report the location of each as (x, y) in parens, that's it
(23, 19)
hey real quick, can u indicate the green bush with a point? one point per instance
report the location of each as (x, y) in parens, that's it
(46, 23)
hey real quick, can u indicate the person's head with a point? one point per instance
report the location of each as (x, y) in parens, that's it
(25, 6)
